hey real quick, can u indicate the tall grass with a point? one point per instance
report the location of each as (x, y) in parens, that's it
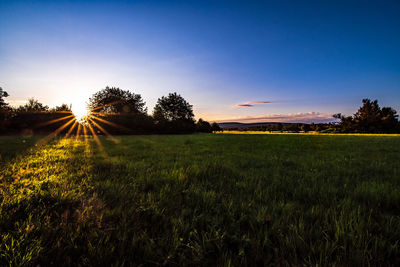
(201, 200)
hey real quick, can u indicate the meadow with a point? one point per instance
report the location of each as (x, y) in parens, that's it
(201, 199)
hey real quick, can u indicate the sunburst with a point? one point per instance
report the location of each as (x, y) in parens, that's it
(80, 111)
(82, 121)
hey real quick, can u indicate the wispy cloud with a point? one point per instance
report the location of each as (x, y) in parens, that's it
(309, 117)
(251, 104)
(259, 102)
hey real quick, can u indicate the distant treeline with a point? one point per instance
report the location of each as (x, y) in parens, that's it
(111, 111)
(116, 111)
(370, 118)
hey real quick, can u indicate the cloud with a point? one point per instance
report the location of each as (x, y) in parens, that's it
(251, 104)
(259, 102)
(244, 105)
(309, 117)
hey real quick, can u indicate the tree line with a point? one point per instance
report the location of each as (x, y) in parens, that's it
(111, 111)
(370, 118)
(117, 111)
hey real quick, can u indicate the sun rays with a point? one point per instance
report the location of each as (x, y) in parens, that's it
(82, 122)
(80, 111)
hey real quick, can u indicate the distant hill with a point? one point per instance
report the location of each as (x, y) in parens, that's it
(229, 125)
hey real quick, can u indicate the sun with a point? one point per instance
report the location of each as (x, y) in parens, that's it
(80, 111)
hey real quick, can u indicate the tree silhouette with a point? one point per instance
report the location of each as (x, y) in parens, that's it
(389, 121)
(122, 108)
(203, 126)
(3, 94)
(63, 107)
(173, 114)
(305, 128)
(5, 110)
(172, 108)
(116, 100)
(215, 127)
(370, 118)
(33, 105)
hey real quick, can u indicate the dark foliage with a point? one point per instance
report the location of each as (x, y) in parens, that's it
(215, 127)
(5, 110)
(113, 111)
(117, 111)
(173, 114)
(63, 107)
(115, 100)
(36, 118)
(370, 118)
(122, 124)
(3, 94)
(305, 128)
(33, 118)
(33, 105)
(203, 126)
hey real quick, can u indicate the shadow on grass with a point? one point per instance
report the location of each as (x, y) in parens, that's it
(14, 146)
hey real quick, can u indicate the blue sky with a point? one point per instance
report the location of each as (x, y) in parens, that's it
(309, 59)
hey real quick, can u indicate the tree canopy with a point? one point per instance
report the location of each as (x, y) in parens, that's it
(203, 126)
(33, 105)
(63, 107)
(3, 94)
(117, 111)
(173, 108)
(370, 118)
(116, 100)
(173, 114)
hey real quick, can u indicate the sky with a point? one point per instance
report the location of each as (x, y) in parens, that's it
(243, 61)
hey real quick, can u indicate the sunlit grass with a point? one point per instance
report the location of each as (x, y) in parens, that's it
(301, 133)
(200, 199)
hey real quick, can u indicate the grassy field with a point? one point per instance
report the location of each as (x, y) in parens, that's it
(201, 200)
(302, 133)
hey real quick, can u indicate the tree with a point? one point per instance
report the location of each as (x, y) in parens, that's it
(291, 128)
(346, 124)
(305, 128)
(63, 107)
(125, 111)
(215, 127)
(115, 100)
(28, 117)
(370, 118)
(33, 105)
(173, 108)
(5, 110)
(203, 126)
(279, 127)
(174, 114)
(389, 120)
(3, 94)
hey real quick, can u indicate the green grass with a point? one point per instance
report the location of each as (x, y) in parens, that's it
(201, 200)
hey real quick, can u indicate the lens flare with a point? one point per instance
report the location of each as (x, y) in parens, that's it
(84, 122)
(80, 111)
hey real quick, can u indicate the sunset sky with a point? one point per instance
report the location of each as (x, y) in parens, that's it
(232, 60)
